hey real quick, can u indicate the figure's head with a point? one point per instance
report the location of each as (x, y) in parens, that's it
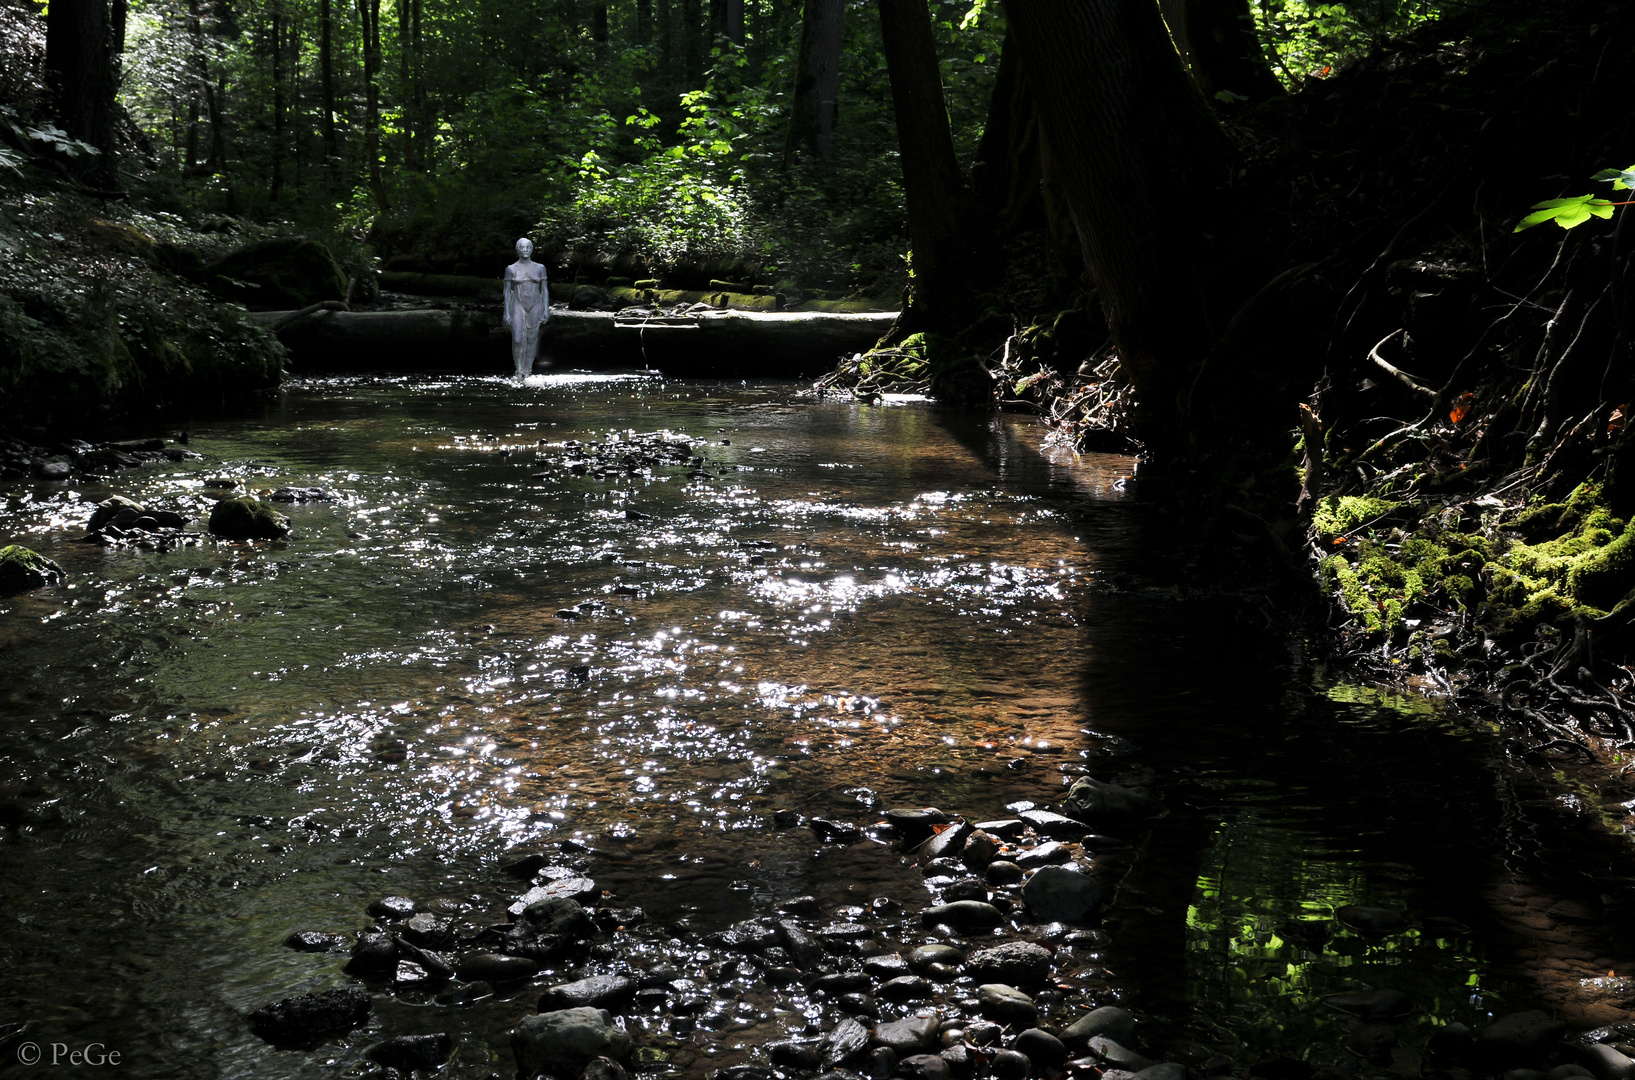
(525, 248)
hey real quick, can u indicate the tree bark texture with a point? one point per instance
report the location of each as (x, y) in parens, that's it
(80, 71)
(940, 221)
(1218, 41)
(812, 114)
(326, 69)
(277, 184)
(370, 11)
(1143, 167)
(732, 21)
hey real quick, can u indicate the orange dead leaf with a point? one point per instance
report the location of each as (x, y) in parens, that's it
(1462, 407)
(1338, 540)
(1615, 422)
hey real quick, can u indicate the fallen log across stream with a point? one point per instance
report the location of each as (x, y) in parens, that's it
(714, 343)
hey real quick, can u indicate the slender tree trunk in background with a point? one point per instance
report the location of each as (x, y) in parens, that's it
(198, 79)
(732, 21)
(277, 184)
(79, 65)
(215, 98)
(692, 60)
(940, 218)
(1219, 43)
(812, 112)
(405, 85)
(298, 102)
(326, 75)
(643, 30)
(370, 11)
(425, 142)
(598, 26)
(1144, 168)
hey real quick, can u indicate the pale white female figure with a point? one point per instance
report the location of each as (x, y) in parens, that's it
(527, 306)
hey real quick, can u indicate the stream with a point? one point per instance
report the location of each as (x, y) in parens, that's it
(531, 616)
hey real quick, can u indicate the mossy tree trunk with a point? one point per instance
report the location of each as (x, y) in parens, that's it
(1143, 166)
(1217, 40)
(80, 71)
(941, 222)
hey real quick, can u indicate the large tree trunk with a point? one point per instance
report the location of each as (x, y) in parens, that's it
(326, 69)
(80, 70)
(732, 21)
(817, 80)
(1217, 40)
(692, 59)
(370, 10)
(1143, 167)
(940, 220)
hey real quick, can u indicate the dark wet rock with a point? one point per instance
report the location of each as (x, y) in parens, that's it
(1007, 1005)
(742, 1072)
(465, 993)
(1109, 1020)
(22, 570)
(799, 905)
(494, 967)
(945, 868)
(374, 956)
(1371, 920)
(964, 888)
(524, 864)
(1054, 825)
(1010, 1065)
(308, 1020)
(427, 931)
(246, 518)
(1058, 894)
(922, 958)
(53, 468)
(1051, 853)
(882, 1062)
(917, 820)
(1164, 1070)
(963, 915)
(563, 1042)
(411, 975)
(1567, 1072)
(560, 917)
(1451, 1044)
(947, 844)
(111, 509)
(313, 941)
(1003, 872)
(924, 1067)
(576, 889)
(1520, 1038)
(960, 1061)
(796, 1055)
(1042, 1048)
(1004, 828)
(843, 937)
(804, 950)
(886, 966)
(604, 1069)
(303, 495)
(1095, 800)
(912, 1035)
(1103, 845)
(845, 1040)
(1605, 1062)
(434, 964)
(1372, 1004)
(1523, 1074)
(983, 1033)
(1015, 963)
(981, 849)
(747, 936)
(611, 992)
(1116, 1054)
(842, 982)
(393, 908)
(859, 1005)
(835, 832)
(904, 988)
(411, 1052)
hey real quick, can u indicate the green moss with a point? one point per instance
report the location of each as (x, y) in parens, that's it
(22, 569)
(1339, 514)
(247, 518)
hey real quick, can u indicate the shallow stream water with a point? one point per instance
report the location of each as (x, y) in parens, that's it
(483, 644)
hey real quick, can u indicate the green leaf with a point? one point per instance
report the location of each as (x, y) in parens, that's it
(1567, 213)
(1622, 179)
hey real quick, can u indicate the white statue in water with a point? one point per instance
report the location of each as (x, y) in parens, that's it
(527, 305)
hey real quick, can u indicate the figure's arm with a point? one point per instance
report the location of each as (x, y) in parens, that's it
(510, 286)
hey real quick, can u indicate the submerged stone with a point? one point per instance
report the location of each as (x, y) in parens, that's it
(247, 518)
(22, 570)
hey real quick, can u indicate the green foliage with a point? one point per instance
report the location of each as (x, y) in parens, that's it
(1308, 40)
(1574, 210)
